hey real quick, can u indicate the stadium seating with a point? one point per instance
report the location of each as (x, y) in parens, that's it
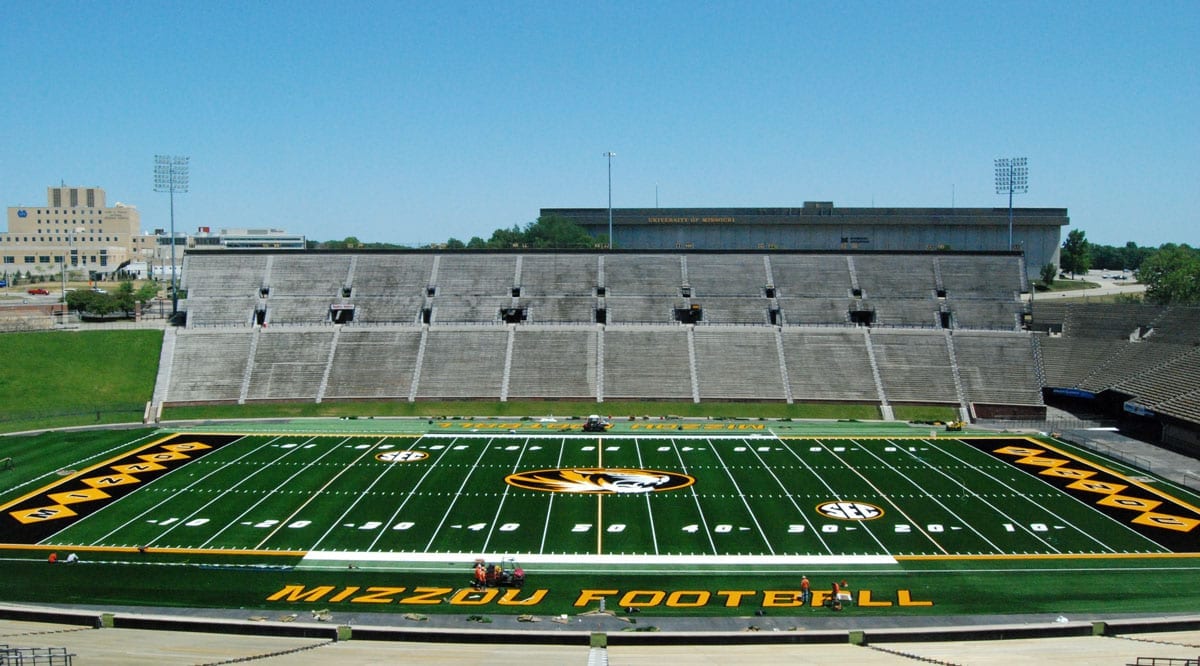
(914, 366)
(605, 326)
(738, 363)
(463, 362)
(647, 362)
(373, 363)
(828, 365)
(557, 363)
(1145, 354)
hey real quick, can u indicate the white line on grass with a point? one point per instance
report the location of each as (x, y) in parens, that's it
(649, 510)
(278, 487)
(866, 526)
(550, 507)
(458, 493)
(695, 496)
(742, 495)
(1073, 526)
(412, 492)
(924, 492)
(198, 483)
(788, 494)
(538, 558)
(504, 496)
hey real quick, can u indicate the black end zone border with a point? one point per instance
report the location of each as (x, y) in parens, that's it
(53, 508)
(1161, 518)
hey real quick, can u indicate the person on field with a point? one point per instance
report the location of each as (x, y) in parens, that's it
(805, 591)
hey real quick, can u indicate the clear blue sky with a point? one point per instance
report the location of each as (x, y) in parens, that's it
(410, 123)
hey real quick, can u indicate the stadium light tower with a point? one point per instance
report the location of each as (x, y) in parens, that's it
(171, 176)
(610, 155)
(1012, 177)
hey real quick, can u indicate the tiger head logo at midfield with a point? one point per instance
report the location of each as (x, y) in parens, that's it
(597, 480)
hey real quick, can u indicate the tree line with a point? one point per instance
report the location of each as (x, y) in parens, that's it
(547, 232)
(1171, 272)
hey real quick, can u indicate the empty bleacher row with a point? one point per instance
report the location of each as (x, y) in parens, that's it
(640, 362)
(1146, 354)
(786, 289)
(868, 328)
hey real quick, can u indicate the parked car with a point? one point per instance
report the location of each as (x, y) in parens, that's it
(38, 291)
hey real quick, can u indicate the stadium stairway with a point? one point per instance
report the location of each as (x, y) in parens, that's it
(166, 363)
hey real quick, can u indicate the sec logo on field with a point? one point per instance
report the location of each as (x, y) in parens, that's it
(401, 456)
(849, 510)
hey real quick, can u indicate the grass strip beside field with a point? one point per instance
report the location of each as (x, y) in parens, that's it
(60, 378)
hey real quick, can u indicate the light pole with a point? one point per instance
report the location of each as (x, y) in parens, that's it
(1012, 177)
(610, 155)
(171, 176)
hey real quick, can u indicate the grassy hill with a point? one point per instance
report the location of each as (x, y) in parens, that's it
(58, 378)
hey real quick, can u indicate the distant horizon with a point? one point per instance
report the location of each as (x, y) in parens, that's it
(453, 120)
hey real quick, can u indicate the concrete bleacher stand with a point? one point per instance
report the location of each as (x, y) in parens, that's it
(1142, 361)
(867, 328)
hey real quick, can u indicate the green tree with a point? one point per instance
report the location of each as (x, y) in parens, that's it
(123, 299)
(146, 293)
(553, 231)
(476, 243)
(454, 244)
(1076, 253)
(1049, 272)
(1172, 276)
(506, 238)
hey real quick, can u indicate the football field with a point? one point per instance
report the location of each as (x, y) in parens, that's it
(610, 499)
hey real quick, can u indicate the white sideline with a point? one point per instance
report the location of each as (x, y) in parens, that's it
(565, 558)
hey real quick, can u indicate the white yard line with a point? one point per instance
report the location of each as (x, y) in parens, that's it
(458, 493)
(1066, 495)
(866, 526)
(922, 491)
(649, 510)
(280, 485)
(695, 496)
(197, 483)
(550, 506)
(812, 528)
(504, 496)
(742, 496)
(539, 558)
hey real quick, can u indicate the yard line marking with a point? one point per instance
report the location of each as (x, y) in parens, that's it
(198, 482)
(791, 498)
(742, 495)
(599, 498)
(695, 496)
(504, 496)
(921, 490)
(268, 494)
(836, 495)
(109, 455)
(466, 477)
(345, 468)
(1064, 495)
(986, 474)
(882, 494)
(562, 446)
(649, 512)
(411, 493)
(362, 494)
